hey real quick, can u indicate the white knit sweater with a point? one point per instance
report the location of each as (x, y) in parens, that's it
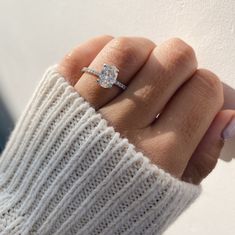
(65, 171)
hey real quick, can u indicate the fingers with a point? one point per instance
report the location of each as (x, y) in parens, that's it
(166, 69)
(127, 54)
(160, 80)
(186, 118)
(208, 151)
(81, 56)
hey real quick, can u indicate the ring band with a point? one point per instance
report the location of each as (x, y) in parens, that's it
(107, 77)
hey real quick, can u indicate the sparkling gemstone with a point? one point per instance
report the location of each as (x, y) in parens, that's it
(108, 76)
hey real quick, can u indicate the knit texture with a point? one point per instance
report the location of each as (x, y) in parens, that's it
(66, 171)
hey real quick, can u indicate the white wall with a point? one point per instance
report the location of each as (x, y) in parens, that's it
(35, 34)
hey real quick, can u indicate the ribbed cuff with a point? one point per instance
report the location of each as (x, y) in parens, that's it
(65, 171)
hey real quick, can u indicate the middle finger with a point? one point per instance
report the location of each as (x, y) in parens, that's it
(167, 68)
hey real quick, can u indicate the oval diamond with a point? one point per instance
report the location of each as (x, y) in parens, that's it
(108, 76)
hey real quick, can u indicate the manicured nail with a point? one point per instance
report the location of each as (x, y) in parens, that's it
(229, 130)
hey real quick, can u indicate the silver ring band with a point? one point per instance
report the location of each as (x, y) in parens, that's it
(107, 77)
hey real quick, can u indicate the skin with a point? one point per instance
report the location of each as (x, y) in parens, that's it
(185, 139)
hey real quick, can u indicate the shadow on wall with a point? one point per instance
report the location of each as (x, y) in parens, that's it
(6, 124)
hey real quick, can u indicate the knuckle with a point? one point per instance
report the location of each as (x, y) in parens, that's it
(181, 52)
(122, 50)
(209, 85)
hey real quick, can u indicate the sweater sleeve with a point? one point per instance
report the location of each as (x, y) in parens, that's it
(66, 171)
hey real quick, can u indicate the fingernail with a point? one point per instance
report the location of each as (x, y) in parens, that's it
(229, 130)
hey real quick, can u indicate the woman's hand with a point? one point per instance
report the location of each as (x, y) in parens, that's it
(185, 140)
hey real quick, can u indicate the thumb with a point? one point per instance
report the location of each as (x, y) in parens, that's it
(208, 151)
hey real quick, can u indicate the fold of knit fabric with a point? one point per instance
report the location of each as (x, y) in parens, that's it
(66, 171)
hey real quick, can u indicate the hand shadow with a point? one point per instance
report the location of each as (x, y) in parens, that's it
(6, 124)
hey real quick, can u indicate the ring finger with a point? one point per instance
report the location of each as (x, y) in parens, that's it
(128, 54)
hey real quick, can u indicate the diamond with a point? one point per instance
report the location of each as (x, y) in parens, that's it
(108, 76)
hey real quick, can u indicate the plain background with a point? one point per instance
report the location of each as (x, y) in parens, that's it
(36, 34)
